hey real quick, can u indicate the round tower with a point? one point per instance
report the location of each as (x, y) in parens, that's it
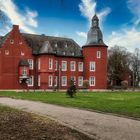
(95, 57)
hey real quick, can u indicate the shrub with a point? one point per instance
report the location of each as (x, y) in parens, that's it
(71, 91)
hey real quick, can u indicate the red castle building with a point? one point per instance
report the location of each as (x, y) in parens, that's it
(29, 61)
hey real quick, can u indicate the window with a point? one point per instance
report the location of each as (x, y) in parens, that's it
(73, 66)
(50, 80)
(31, 81)
(39, 64)
(64, 81)
(55, 81)
(22, 53)
(56, 65)
(92, 66)
(30, 61)
(24, 72)
(20, 42)
(6, 52)
(92, 81)
(64, 65)
(12, 41)
(39, 80)
(98, 54)
(80, 81)
(80, 66)
(50, 63)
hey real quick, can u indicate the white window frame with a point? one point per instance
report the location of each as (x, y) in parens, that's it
(80, 81)
(39, 79)
(73, 65)
(31, 64)
(98, 54)
(64, 66)
(32, 81)
(81, 66)
(56, 78)
(56, 64)
(50, 63)
(64, 81)
(39, 63)
(92, 81)
(92, 66)
(50, 84)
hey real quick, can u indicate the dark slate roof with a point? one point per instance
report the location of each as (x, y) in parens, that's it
(2, 39)
(23, 62)
(59, 46)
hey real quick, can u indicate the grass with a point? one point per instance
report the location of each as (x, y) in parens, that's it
(125, 103)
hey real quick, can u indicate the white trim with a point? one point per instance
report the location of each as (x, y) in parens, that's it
(64, 66)
(92, 66)
(80, 81)
(64, 81)
(92, 81)
(32, 81)
(31, 64)
(50, 84)
(81, 66)
(73, 65)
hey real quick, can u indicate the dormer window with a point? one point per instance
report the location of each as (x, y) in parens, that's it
(11, 41)
(6, 52)
(64, 53)
(66, 45)
(56, 45)
(73, 54)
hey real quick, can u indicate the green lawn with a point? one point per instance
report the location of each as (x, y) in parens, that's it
(119, 103)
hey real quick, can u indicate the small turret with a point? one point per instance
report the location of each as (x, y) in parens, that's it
(94, 36)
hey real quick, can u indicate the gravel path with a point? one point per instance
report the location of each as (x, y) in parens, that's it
(100, 126)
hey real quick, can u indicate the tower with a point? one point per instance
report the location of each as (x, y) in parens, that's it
(95, 57)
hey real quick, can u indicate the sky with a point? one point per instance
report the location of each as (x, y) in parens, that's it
(119, 19)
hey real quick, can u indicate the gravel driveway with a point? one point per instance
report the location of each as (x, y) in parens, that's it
(97, 125)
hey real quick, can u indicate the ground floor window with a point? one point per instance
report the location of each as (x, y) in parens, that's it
(92, 81)
(64, 80)
(39, 80)
(80, 81)
(55, 84)
(31, 81)
(50, 80)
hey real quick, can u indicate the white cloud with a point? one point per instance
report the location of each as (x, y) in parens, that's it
(82, 34)
(26, 20)
(129, 38)
(88, 9)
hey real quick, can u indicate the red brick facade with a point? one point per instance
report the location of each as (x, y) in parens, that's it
(49, 71)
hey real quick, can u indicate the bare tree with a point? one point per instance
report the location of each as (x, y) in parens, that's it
(135, 66)
(118, 65)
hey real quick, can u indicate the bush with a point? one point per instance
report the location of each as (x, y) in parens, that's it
(124, 84)
(71, 91)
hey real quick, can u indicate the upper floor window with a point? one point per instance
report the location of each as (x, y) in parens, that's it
(80, 66)
(92, 81)
(73, 66)
(50, 63)
(31, 65)
(64, 65)
(64, 80)
(6, 52)
(80, 81)
(38, 63)
(56, 65)
(92, 66)
(73, 78)
(22, 53)
(11, 41)
(98, 54)
(20, 42)
(31, 81)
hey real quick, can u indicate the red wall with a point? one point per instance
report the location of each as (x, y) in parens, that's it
(9, 72)
(100, 73)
